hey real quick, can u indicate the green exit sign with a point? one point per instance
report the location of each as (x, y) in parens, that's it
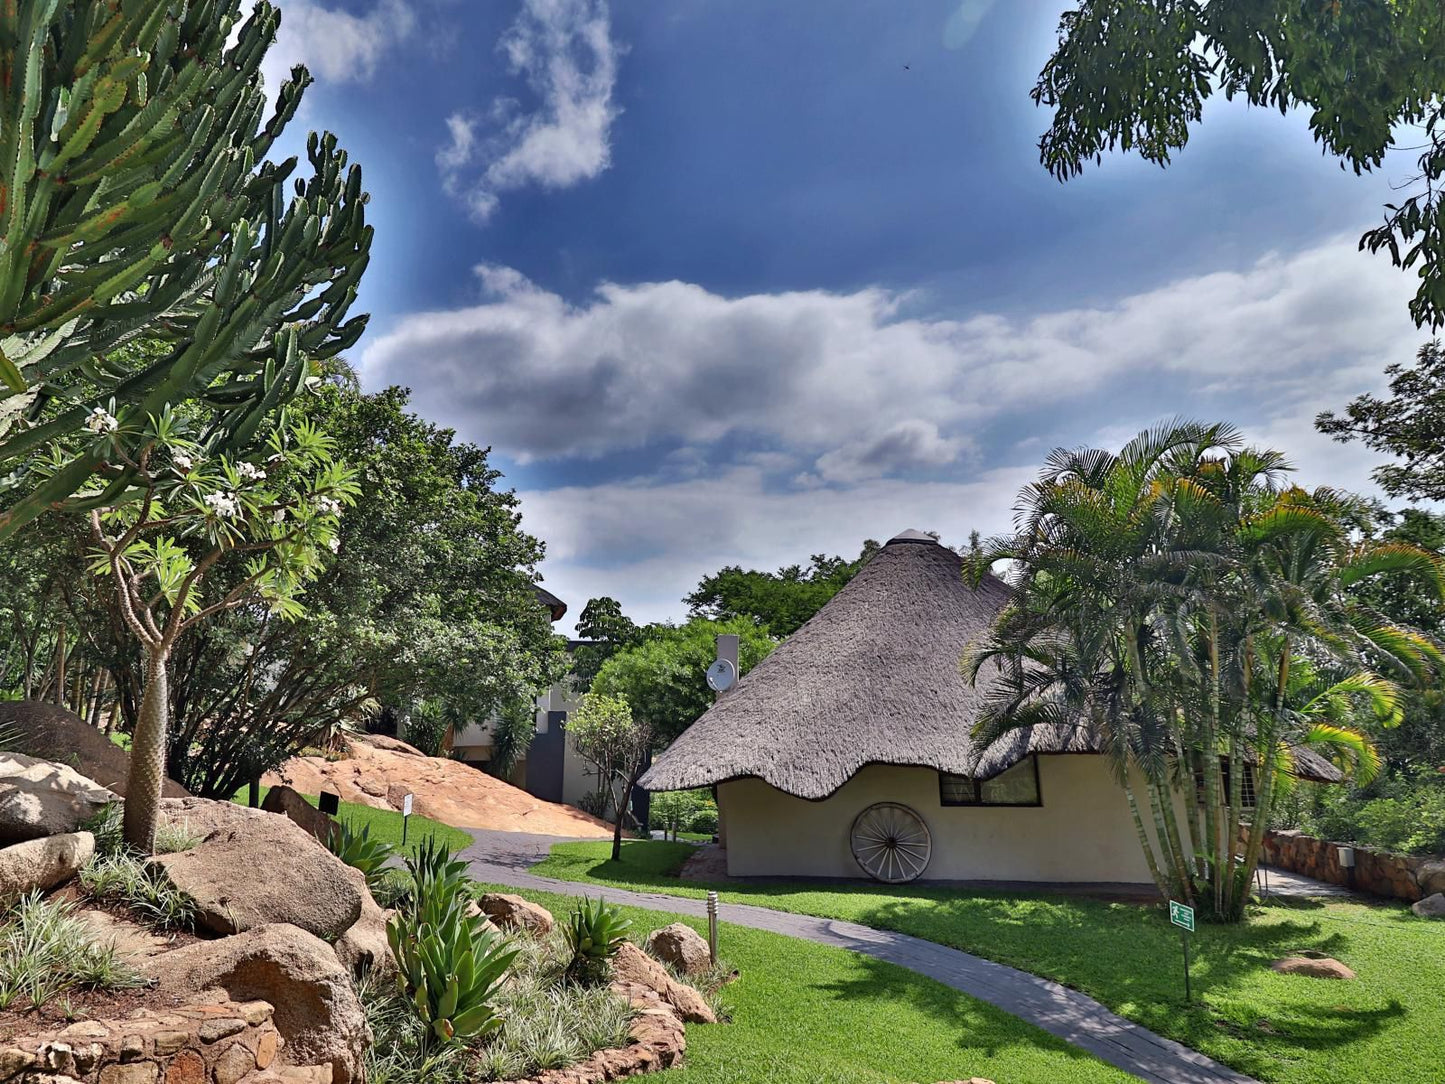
(1181, 915)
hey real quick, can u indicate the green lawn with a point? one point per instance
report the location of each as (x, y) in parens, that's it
(808, 1014)
(1385, 1026)
(385, 824)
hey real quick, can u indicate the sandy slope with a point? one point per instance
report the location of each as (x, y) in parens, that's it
(379, 771)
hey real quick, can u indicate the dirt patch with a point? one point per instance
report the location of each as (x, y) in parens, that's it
(379, 772)
(86, 1005)
(710, 863)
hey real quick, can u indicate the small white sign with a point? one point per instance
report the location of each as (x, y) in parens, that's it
(406, 806)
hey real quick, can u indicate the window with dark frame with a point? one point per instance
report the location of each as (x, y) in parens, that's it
(1247, 798)
(1019, 786)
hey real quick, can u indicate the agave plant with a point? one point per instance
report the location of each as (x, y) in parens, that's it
(451, 972)
(358, 850)
(594, 931)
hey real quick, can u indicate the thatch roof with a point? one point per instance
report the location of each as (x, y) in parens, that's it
(551, 602)
(873, 678)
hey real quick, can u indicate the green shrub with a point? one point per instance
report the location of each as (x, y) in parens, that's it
(594, 931)
(704, 821)
(1397, 813)
(46, 949)
(142, 888)
(358, 850)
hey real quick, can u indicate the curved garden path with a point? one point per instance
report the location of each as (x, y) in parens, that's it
(506, 857)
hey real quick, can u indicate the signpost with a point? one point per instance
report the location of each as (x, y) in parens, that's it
(405, 816)
(1183, 917)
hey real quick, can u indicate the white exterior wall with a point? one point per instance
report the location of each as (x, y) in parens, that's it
(1082, 831)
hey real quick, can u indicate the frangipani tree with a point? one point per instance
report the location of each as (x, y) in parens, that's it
(278, 508)
(1166, 597)
(137, 201)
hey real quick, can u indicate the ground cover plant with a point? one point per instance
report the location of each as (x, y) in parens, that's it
(1274, 1027)
(803, 1013)
(47, 951)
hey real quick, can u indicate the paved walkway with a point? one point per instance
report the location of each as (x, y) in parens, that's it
(505, 858)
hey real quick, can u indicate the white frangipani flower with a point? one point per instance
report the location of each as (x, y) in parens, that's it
(223, 505)
(101, 421)
(278, 516)
(182, 462)
(250, 472)
(329, 506)
(333, 544)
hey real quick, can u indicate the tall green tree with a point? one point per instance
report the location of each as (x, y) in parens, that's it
(1135, 74)
(605, 630)
(427, 600)
(138, 200)
(606, 733)
(664, 679)
(1201, 622)
(780, 601)
(1408, 425)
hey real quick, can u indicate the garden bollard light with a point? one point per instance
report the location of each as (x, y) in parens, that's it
(713, 927)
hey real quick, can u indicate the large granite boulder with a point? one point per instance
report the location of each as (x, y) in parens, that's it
(289, 803)
(511, 912)
(364, 947)
(1430, 906)
(1316, 967)
(255, 868)
(1431, 877)
(633, 968)
(50, 732)
(317, 1010)
(41, 798)
(42, 863)
(682, 947)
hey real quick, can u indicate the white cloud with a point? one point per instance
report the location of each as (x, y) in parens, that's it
(856, 385)
(337, 46)
(648, 544)
(564, 52)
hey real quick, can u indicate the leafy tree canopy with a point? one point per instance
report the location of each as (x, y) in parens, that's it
(664, 678)
(780, 601)
(607, 631)
(1409, 424)
(138, 199)
(1134, 74)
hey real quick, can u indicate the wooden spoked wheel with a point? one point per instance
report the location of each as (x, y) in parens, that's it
(891, 843)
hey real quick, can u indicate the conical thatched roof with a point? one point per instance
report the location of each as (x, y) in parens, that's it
(873, 678)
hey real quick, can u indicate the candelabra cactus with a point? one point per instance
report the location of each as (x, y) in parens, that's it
(137, 203)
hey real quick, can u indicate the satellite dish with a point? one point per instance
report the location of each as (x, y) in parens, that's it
(721, 675)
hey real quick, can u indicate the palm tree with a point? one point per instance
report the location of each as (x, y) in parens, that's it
(1163, 597)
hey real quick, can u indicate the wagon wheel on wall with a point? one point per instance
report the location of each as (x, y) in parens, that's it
(891, 843)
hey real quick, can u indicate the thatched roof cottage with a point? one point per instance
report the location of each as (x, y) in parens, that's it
(847, 750)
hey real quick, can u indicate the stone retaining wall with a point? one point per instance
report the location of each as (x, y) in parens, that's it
(218, 1043)
(1380, 873)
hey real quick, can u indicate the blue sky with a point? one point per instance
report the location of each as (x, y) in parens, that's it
(734, 281)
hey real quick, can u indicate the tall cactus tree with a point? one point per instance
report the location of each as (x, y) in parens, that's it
(137, 202)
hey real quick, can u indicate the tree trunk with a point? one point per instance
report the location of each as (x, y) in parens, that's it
(148, 756)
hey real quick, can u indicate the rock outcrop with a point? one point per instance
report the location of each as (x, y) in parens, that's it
(514, 913)
(682, 947)
(317, 1014)
(1321, 967)
(282, 799)
(259, 869)
(633, 969)
(42, 863)
(40, 798)
(50, 732)
(364, 946)
(1430, 906)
